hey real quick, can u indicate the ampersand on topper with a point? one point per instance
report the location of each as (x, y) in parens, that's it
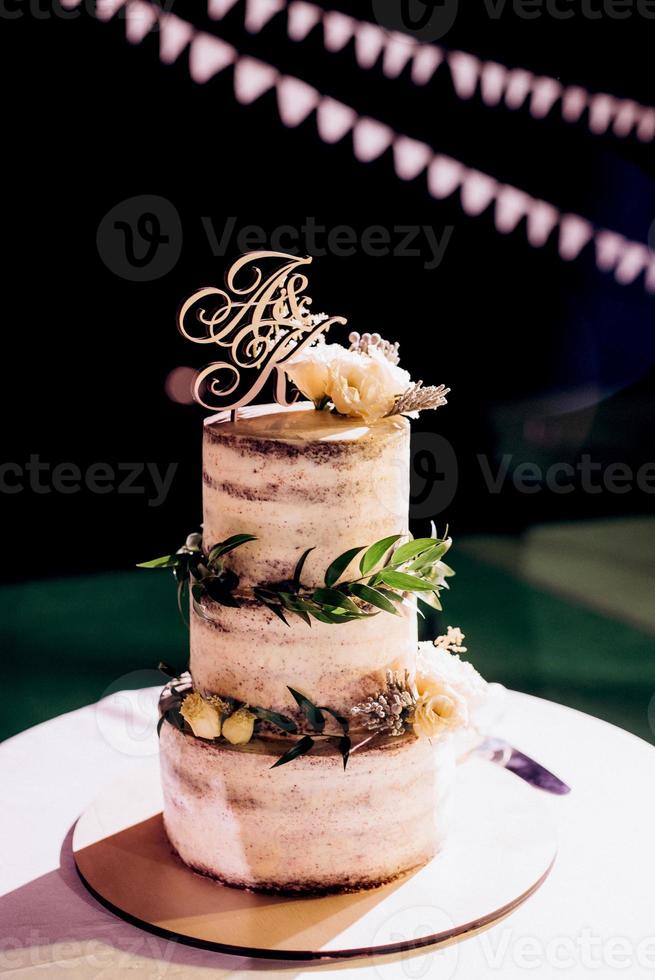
(260, 322)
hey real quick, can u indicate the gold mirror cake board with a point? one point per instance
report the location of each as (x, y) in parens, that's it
(500, 850)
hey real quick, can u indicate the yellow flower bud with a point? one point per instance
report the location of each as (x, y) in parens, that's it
(238, 728)
(204, 719)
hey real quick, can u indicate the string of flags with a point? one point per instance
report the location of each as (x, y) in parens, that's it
(515, 87)
(296, 100)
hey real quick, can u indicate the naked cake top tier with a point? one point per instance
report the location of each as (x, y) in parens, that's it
(298, 478)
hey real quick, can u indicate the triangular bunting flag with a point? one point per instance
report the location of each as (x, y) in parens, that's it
(601, 111)
(338, 29)
(574, 103)
(105, 9)
(646, 124)
(334, 119)
(140, 18)
(174, 35)
(397, 52)
(626, 116)
(519, 83)
(301, 18)
(259, 12)
(511, 205)
(410, 157)
(542, 218)
(370, 139)
(444, 176)
(610, 246)
(426, 60)
(208, 56)
(545, 92)
(465, 70)
(295, 100)
(369, 41)
(251, 79)
(477, 192)
(650, 277)
(636, 257)
(492, 82)
(574, 233)
(217, 9)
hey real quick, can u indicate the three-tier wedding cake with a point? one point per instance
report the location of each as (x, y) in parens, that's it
(308, 749)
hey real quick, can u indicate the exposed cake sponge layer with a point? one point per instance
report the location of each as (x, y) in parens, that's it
(298, 478)
(249, 654)
(307, 826)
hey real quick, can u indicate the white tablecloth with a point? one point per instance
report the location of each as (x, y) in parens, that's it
(594, 916)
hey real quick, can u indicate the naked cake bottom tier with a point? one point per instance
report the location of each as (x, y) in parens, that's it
(307, 826)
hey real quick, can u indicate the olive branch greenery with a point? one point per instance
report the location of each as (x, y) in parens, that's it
(180, 686)
(387, 576)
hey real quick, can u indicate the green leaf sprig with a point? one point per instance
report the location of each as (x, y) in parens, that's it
(316, 718)
(387, 575)
(206, 575)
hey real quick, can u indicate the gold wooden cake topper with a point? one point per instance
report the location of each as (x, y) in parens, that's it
(260, 322)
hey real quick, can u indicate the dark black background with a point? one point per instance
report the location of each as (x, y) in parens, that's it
(90, 121)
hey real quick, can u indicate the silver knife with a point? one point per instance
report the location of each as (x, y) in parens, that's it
(499, 751)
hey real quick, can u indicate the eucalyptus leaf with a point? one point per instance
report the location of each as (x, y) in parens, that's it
(376, 553)
(401, 580)
(429, 557)
(161, 721)
(274, 718)
(304, 745)
(313, 714)
(431, 599)
(334, 599)
(223, 547)
(339, 565)
(167, 561)
(345, 745)
(410, 550)
(373, 596)
(345, 724)
(299, 567)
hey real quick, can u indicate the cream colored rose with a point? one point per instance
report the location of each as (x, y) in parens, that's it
(203, 717)
(238, 728)
(365, 385)
(309, 370)
(360, 385)
(439, 708)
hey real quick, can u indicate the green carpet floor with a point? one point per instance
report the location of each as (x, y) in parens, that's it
(68, 641)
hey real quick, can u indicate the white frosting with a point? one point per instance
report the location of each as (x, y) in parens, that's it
(307, 825)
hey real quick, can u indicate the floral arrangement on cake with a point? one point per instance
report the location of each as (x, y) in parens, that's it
(433, 703)
(388, 574)
(363, 381)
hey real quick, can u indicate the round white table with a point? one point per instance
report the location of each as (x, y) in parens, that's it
(592, 917)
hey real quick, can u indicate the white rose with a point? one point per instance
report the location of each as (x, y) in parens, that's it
(365, 385)
(310, 369)
(439, 708)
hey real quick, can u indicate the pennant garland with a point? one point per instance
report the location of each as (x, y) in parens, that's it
(208, 55)
(496, 83)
